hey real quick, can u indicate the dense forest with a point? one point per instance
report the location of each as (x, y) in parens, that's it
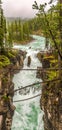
(47, 23)
(19, 30)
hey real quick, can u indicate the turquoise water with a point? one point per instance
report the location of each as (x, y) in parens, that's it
(28, 115)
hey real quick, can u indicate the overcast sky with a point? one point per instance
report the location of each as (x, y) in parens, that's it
(20, 8)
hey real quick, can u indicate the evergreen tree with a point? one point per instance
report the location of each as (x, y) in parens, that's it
(2, 28)
(26, 30)
(21, 32)
(10, 40)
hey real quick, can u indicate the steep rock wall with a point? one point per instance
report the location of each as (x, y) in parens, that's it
(7, 90)
(51, 99)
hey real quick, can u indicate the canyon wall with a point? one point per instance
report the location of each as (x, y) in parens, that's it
(7, 90)
(51, 99)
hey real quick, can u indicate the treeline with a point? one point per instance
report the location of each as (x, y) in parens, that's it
(15, 31)
(20, 30)
(48, 22)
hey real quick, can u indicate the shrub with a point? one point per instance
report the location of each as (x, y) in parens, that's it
(4, 61)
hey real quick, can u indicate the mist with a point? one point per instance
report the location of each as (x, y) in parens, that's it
(20, 8)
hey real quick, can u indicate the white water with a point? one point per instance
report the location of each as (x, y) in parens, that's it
(28, 115)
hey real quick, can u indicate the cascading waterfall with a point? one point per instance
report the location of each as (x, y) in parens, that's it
(28, 115)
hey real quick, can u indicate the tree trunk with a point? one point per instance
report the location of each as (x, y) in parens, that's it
(60, 37)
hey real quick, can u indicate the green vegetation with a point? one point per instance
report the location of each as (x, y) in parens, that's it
(50, 57)
(4, 61)
(51, 24)
(48, 23)
(20, 30)
(52, 75)
(10, 55)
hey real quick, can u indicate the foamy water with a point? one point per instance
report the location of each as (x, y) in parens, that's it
(28, 115)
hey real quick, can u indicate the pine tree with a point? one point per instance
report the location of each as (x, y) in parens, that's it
(21, 32)
(2, 28)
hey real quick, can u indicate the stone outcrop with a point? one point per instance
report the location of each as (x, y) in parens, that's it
(51, 104)
(29, 61)
(51, 99)
(7, 90)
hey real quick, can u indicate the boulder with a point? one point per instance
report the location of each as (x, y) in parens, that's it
(29, 61)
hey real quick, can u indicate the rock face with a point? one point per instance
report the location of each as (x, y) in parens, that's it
(7, 91)
(51, 104)
(51, 100)
(29, 61)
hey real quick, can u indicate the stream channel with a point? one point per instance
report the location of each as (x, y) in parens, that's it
(28, 114)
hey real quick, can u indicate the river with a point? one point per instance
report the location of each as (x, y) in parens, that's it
(28, 115)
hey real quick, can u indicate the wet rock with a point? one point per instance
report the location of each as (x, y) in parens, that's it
(40, 73)
(29, 61)
(45, 63)
(40, 56)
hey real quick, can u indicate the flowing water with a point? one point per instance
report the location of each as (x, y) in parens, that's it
(28, 115)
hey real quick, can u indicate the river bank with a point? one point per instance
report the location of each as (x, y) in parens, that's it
(24, 42)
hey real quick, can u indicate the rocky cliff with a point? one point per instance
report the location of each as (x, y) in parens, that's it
(51, 99)
(7, 89)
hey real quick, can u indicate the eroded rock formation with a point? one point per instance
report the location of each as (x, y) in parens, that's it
(51, 99)
(7, 90)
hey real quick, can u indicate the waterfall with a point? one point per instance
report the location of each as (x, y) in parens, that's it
(28, 115)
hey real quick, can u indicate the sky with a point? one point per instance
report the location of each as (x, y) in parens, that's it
(20, 8)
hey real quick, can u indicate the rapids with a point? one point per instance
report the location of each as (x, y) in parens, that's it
(28, 115)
